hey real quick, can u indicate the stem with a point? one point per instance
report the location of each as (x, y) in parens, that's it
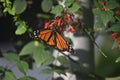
(98, 47)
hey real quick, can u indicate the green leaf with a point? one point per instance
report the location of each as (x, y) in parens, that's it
(46, 5)
(96, 11)
(68, 2)
(40, 54)
(46, 71)
(2, 69)
(27, 78)
(118, 18)
(11, 11)
(115, 27)
(115, 45)
(21, 28)
(74, 7)
(49, 59)
(11, 57)
(57, 9)
(111, 4)
(23, 66)
(30, 48)
(98, 25)
(42, 57)
(20, 6)
(59, 71)
(9, 76)
(106, 16)
(117, 60)
(63, 60)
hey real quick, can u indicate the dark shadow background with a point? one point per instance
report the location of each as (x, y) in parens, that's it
(7, 26)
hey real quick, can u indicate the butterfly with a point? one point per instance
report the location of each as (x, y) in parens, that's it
(54, 39)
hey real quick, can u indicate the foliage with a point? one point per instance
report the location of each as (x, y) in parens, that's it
(107, 14)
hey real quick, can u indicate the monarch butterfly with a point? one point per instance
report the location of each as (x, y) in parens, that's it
(53, 38)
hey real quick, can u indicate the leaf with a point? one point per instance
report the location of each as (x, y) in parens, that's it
(46, 71)
(27, 78)
(106, 16)
(98, 25)
(29, 48)
(46, 5)
(117, 60)
(59, 71)
(115, 27)
(49, 60)
(11, 10)
(63, 60)
(74, 7)
(115, 45)
(2, 69)
(9, 76)
(21, 29)
(23, 66)
(20, 6)
(68, 2)
(41, 55)
(11, 57)
(111, 4)
(57, 9)
(118, 18)
(96, 11)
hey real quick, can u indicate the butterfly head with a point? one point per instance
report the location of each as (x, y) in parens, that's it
(34, 34)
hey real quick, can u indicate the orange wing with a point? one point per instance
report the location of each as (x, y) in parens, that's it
(47, 36)
(61, 43)
(53, 38)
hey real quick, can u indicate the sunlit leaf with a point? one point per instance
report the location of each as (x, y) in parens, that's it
(68, 2)
(98, 25)
(23, 66)
(11, 57)
(74, 7)
(106, 16)
(20, 6)
(9, 76)
(117, 60)
(57, 9)
(21, 29)
(46, 5)
(11, 10)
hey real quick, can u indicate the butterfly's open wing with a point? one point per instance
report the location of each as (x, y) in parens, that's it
(47, 36)
(53, 38)
(61, 43)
